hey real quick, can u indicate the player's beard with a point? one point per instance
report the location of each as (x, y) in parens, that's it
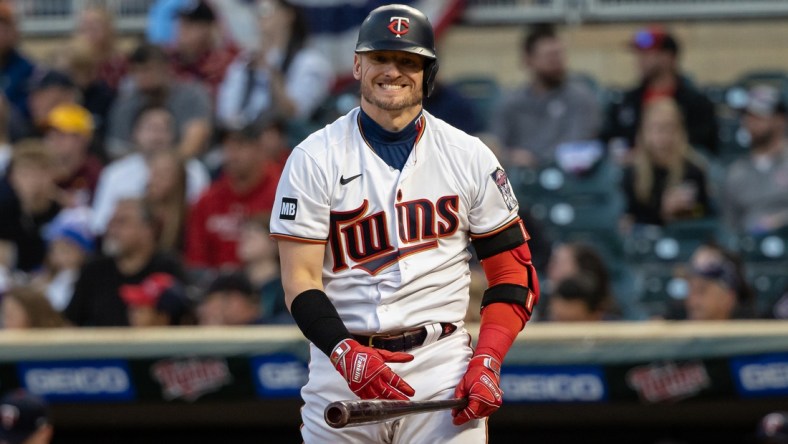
(394, 103)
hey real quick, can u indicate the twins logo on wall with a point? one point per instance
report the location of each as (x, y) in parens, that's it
(190, 378)
(669, 381)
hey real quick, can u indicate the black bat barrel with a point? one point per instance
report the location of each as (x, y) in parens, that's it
(346, 413)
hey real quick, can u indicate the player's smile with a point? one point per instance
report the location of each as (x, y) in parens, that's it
(390, 86)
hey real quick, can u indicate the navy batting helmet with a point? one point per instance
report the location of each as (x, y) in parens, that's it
(401, 28)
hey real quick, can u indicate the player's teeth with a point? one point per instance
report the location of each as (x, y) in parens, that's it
(388, 86)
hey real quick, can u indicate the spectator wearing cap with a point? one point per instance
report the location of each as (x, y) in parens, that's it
(48, 89)
(197, 55)
(154, 132)
(253, 161)
(70, 243)
(284, 74)
(25, 308)
(718, 289)
(130, 257)
(547, 111)
(162, 21)
(260, 259)
(158, 301)
(27, 203)
(657, 53)
(15, 68)
(25, 419)
(756, 186)
(153, 84)
(230, 300)
(68, 136)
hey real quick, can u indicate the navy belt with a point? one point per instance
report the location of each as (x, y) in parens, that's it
(403, 341)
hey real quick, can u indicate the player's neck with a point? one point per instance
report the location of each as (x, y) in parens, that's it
(393, 121)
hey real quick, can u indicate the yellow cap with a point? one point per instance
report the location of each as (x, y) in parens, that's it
(71, 118)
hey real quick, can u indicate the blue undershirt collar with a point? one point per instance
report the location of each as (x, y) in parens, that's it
(393, 147)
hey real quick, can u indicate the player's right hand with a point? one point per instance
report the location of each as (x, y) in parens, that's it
(366, 372)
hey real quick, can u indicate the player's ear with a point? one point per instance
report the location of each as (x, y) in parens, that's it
(356, 67)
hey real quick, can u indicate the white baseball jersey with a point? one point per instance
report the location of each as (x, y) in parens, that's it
(396, 241)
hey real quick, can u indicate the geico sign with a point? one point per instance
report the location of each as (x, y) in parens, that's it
(552, 387)
(78, 380)
(764, 376)
(282, 375)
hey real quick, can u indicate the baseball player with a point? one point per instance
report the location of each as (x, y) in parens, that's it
(373, 217)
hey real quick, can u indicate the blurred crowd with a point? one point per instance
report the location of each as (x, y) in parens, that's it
(136, 185)
(660, 201)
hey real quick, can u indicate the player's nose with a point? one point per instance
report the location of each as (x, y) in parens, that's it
(391, 69)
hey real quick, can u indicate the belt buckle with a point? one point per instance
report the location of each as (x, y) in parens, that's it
(376, 335)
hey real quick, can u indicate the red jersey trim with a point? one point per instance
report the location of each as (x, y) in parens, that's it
(501, 228)
(304, 240)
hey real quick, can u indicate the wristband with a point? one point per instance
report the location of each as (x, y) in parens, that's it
(318, 320)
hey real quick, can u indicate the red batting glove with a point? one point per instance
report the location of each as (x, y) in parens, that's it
(366, 373)
(481, 385)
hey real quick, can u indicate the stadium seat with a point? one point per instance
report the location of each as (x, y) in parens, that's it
(483, 91)
(767, 247)
(734, 141)
(770, 283)
(525, 184)
(715, 93)
(673, 243)
(659, 288)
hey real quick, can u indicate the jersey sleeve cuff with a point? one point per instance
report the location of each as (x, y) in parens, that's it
(305, 240)
(498, 230)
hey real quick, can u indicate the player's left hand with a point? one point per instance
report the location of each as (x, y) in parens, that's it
(481, 385)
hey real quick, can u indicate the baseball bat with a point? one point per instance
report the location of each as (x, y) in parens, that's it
(358, 412)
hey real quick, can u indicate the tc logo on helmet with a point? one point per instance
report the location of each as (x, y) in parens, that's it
(399, 26)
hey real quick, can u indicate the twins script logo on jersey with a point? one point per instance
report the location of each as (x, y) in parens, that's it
(502, 182)
(399, 26)
(364, 237)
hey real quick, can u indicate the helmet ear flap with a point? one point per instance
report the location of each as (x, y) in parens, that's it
(430, 73)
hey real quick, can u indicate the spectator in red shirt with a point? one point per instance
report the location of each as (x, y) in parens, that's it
(197, 55)
(254, 157)
(68, 137)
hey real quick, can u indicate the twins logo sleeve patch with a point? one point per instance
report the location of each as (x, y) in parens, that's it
(502, 182)
(289, 208)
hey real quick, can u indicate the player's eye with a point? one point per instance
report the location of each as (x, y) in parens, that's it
(410, 63)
